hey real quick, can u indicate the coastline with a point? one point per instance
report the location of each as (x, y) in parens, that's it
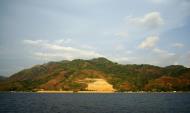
(107, 92)
(75, 92)
(89, 92)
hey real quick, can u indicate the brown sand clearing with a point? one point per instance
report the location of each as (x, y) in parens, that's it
(99, 85)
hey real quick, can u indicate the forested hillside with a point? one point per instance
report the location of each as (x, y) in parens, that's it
(67, 75)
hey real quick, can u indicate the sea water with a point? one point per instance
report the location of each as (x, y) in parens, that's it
(95, 103)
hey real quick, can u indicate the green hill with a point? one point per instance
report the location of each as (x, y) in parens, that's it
(66, 75)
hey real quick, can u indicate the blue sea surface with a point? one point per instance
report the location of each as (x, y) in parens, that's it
(95, 103)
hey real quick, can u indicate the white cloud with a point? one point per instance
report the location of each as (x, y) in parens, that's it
(89, 47)
(128, 52)
(53, 56)
(164, 58)
(176, 63)
(185, 59)
(55, 51)
(122, 34)
(163, 53)
(124, 60)
(168, 1)
(152, 20)
(178, 45)
(63, 41)
(157, 1)
(119, 47)
(149, 42)
(33, 42)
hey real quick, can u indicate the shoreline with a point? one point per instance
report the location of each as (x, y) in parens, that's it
(75, 92)
(106, 92)
(88, 92)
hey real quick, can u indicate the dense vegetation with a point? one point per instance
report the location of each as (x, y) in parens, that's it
(66, 75)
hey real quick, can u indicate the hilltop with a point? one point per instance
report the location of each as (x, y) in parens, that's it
(76, 75)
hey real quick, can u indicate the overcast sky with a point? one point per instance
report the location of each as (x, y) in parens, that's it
(153, 32)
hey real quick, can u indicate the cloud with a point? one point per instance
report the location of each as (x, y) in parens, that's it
(152, 20)
(53, 56)
(167, 1)
(178, 45)
(163, 53)
(157, 1)
(124, 59)
(33, 42)
(149, 42)
(122, 34)
(119, 47)
(185, 59)
(41, 42)
(89, 47)
(164, 58)
(55, 51)
(62, 41)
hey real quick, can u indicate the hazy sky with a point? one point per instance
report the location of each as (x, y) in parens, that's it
(126, 31)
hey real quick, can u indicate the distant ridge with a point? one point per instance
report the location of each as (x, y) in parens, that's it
(67, 76)
(2, 78)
